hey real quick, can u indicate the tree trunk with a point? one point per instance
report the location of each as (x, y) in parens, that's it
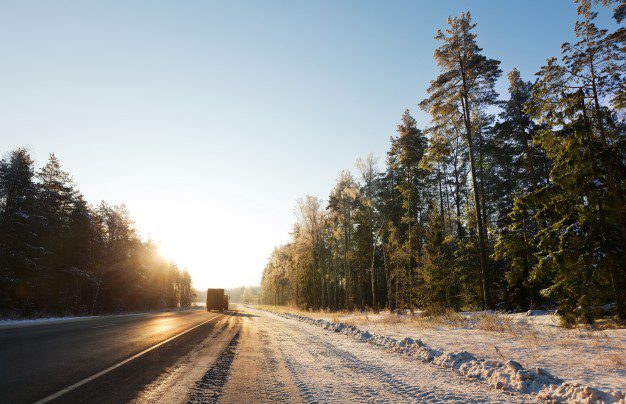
(481, 237)
(477, 201)
(441, 208)
(373, 279)
(457, 191)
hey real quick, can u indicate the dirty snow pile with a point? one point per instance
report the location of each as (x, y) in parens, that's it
(43, 320)
(507, 376)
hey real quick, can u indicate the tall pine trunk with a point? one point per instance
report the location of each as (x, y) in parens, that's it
(477, 200)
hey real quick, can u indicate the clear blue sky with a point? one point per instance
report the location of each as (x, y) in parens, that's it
(209, 119)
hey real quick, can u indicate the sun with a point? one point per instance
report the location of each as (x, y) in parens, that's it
(170, 252)
(186, 255)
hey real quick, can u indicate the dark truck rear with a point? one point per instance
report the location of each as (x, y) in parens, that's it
(216, 299)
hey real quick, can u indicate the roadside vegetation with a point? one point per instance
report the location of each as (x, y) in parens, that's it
(509, 204)
(59, 255)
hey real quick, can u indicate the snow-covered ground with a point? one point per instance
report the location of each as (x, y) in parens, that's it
(270, 355)
(271, 358)
(590, 357)
(310, 364)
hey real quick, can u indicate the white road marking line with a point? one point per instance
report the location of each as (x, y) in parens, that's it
(117, 365)
(105, 325)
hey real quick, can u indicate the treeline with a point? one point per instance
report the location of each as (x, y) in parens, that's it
(244, 294)
(60, 255)
(515, 210)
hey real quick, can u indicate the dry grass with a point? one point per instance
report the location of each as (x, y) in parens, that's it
(448, 318)
(500, 324)
(391, 319)
(616, 360)
(493, 323)
(325, 314)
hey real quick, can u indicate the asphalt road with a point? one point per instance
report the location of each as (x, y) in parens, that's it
(37, 361)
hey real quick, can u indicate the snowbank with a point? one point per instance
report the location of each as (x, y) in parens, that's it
(507, 376)
(43, 320)
(11, 323)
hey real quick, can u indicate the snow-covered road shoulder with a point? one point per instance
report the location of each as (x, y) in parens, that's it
(507, 375)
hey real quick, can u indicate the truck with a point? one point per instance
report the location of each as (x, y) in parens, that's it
(216, 300)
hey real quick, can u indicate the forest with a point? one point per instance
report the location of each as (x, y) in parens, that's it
(244, 294)
(508, 202)
(59, 255)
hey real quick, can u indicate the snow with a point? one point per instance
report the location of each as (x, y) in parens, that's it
(12, 323)
(281, 359)
(44, 320)
(328, 367)
(495, 356)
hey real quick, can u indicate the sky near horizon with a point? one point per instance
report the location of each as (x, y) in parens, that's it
(208, 119)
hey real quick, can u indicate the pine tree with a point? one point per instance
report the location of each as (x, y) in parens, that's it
(55, 206)
(581, 242)
(464, 86)
(76, 255)
(568, 97)
(522, 168)
(342, 205)
(410, 147)
(18, 238)
(516, 246)
(440, 289)
(369, 228)
(391, 211)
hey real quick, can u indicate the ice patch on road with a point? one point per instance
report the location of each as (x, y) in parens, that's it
(507, 376)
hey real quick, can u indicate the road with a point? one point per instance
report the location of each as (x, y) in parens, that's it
(195, 356)
(40, 360)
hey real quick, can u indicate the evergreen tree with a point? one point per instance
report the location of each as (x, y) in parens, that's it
(342, 204)
(410, 146)
(19, 252)
(522, 167)
(587, 148)
(55, 207)
(367, 221)
(440, 289)
(391, 212)
(464, 86)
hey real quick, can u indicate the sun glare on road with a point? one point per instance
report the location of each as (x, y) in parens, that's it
(162, 325)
